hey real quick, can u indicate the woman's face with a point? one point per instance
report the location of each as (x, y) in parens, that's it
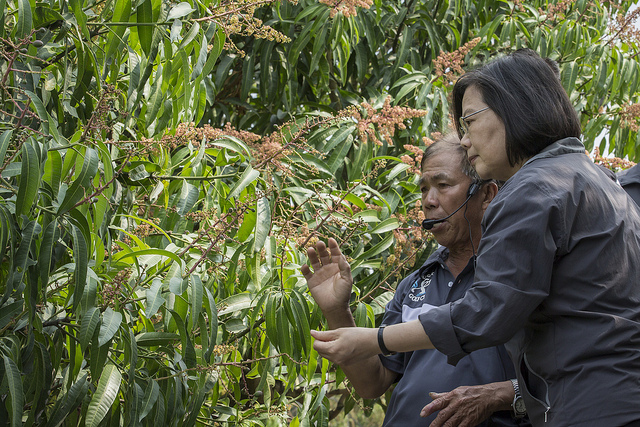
(485, 139)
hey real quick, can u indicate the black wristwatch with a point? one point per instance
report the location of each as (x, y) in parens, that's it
(383, 348)
(519, 409)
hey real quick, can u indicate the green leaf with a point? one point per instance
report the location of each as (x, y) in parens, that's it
(150, 397)
(81, 186)
(180, 10)
(149, 339)
(218, 43)
(196, 299)
(21, 258)
(5, 140)
(105, 395)
(25, 20)
(111, 321)
(212, 312)
(9, 311)
(385, 226)
(154, 298)
(178, 285)
(247, 178)
(121, 13)
(188, 198)
(14, 381)
(29, 180)
(136, 254)
(188, 351)
(53, 172)
(77, 392)
(81, 18)
(145, 32)
(235, 303)
(263, 223)
(88, 325)
(81, 257)
(49, 241)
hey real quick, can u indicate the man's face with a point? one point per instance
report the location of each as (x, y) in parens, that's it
(444, 188)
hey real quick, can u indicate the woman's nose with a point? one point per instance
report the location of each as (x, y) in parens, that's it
(465, 141)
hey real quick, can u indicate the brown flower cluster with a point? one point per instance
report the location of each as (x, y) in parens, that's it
(219, 350)
(556, 11)
(202, 215)
(111, 291)
(236, 17)
(346, 7)
(616, 164)
(409, 237)
(629, 115)
(449, 64)
(625, 28)
(518, 4)
(188, 133)
(105, 107)
(383, 122)
(144, 229)
(415, 159)
(247, 25)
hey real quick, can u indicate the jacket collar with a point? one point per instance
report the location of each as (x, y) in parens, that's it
(569, 145)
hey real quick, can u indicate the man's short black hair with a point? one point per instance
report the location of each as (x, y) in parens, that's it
(524, 91)
(450, 143)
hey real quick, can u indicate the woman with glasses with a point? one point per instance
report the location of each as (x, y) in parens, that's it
(558, 268)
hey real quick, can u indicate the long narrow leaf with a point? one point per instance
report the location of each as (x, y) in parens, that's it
(90, 321)
(21, 259)
(154, 298)
(81, 257)
(29, 180)
(25, 19)
(110, 324)
(150, 397)
(69, 401)
(14, 380)
(105, 395)
(82, 183)
(49, 240)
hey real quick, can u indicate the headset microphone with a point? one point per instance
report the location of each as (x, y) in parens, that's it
(428, 224)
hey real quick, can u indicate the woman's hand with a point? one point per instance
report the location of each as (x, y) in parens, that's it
(346, 346)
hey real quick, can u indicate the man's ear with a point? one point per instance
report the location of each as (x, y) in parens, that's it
(488, 191)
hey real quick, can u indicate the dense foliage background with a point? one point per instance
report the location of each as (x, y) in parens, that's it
(165, 165)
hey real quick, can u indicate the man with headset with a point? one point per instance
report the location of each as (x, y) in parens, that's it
(453, 200)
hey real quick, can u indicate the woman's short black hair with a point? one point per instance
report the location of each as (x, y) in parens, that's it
(524, 91)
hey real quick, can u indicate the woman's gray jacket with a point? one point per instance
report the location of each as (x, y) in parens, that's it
(558, 282)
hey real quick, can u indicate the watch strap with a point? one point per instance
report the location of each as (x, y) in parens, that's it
(383, 348)
(517, 397)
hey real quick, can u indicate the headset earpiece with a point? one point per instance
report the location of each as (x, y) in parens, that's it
(473, 188)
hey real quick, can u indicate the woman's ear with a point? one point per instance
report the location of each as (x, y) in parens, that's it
(488, 192)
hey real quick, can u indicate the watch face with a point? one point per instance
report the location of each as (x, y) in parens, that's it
(519, 406)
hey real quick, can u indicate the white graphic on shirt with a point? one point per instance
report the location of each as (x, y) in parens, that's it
(418, 290)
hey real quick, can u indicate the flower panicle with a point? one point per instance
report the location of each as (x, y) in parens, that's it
(449, 64)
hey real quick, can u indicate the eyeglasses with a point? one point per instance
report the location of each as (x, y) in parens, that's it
(464, 126)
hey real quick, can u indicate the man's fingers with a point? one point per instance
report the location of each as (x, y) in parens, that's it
(313, 258)
(323, 253)
(306, 271)
(437, 404)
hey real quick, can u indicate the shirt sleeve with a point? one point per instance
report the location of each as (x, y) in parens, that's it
(513, 273)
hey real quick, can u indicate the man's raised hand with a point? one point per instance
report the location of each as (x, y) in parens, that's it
(330, 281)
